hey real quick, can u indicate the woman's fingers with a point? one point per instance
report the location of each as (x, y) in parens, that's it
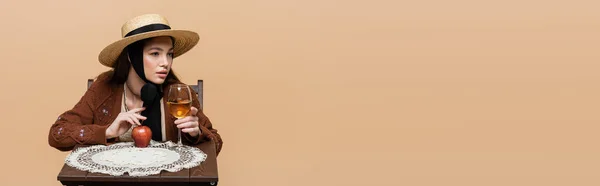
(135, 120)
(193, 111)
(188, 130)
(129, 120)
(139, 116)
(193, 117)
(186, 119)
(182, 120)
(191, 124)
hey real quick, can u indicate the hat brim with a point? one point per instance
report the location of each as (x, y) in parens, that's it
(184, 41)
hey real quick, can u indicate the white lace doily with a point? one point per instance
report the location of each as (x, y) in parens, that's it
(124, 157)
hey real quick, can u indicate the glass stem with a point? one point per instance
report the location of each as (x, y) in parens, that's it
(179, 138)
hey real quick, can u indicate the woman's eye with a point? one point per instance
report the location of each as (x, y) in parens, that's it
(154, 53)
(170, 54)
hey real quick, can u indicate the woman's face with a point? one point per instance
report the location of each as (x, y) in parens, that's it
(158, 58)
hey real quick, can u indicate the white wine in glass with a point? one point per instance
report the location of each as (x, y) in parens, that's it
(179, 100)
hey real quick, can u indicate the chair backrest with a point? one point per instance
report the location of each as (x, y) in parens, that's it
(199, 88)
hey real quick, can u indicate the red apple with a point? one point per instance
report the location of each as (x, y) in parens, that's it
(141, 136)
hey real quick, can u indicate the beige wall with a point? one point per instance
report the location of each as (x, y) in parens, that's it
(337, 92)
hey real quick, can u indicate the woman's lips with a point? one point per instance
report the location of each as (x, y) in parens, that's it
(162, 75)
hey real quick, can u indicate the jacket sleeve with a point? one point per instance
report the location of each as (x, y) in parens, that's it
(207, 132)
(76, 126)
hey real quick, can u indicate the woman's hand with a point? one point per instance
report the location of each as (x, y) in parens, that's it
(123, 122)
(189, 124)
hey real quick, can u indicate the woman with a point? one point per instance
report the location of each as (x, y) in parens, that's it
(132, 92)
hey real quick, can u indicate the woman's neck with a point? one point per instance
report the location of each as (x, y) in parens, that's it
(133, 86)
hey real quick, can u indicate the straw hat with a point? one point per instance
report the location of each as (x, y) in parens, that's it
(147, 26)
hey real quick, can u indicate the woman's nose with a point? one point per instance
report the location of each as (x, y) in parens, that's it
(164, 61)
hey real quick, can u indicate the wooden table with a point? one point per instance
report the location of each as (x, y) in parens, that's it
(204, 174)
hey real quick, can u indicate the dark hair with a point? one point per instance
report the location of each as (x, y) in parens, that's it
(121, 67)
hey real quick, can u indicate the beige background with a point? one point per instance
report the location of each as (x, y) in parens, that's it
(332, 92)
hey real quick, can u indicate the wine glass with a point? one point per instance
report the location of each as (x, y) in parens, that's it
(179, 100)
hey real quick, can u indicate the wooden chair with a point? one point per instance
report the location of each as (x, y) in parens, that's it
(199, 88)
